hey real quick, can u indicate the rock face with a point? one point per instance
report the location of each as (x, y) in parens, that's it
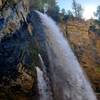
(16, 72)
(21, 41)
(86, 45)
(18, 55)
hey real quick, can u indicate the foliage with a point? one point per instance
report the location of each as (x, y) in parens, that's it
(54, 13)
(97, 13)
(63, 11)
(97, 21)
(40, 4)
(77, 9)
(69, 13)
(93, 28)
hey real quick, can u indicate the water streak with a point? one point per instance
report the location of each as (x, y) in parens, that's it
(42, 86)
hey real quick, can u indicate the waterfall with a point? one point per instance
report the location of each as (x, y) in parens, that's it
(42, 86)
(68, 79)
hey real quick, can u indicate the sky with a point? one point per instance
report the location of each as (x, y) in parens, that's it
(89, 6)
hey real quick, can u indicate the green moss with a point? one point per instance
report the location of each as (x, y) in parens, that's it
(98, 69)
(6, 94)
(34, 51)
(34, 54)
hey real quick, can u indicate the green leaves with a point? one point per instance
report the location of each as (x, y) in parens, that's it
(77, 8)
(97, 13)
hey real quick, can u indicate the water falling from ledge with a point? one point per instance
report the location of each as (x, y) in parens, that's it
(68, 78)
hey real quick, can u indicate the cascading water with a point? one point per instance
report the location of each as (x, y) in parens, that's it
(68, 79)
(42, 86)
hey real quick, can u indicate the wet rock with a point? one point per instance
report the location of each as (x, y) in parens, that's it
(40, 39)
(1, 23)
(16, 64)
(19, 52)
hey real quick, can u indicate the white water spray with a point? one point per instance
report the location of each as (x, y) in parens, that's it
(68, 79)
(42, 86)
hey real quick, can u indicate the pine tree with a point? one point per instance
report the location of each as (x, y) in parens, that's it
(77, 9)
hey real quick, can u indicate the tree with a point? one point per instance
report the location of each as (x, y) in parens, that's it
(35, 4)
(69, 13)
(79, 11)
(74, 7)
(41, 4)
(77, 8)
(51, 3)
(97, 13)
(54, 13)
(63, 11)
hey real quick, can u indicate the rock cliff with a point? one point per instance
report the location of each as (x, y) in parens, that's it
(86, 44)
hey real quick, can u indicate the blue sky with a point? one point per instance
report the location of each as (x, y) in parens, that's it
(89, 6)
